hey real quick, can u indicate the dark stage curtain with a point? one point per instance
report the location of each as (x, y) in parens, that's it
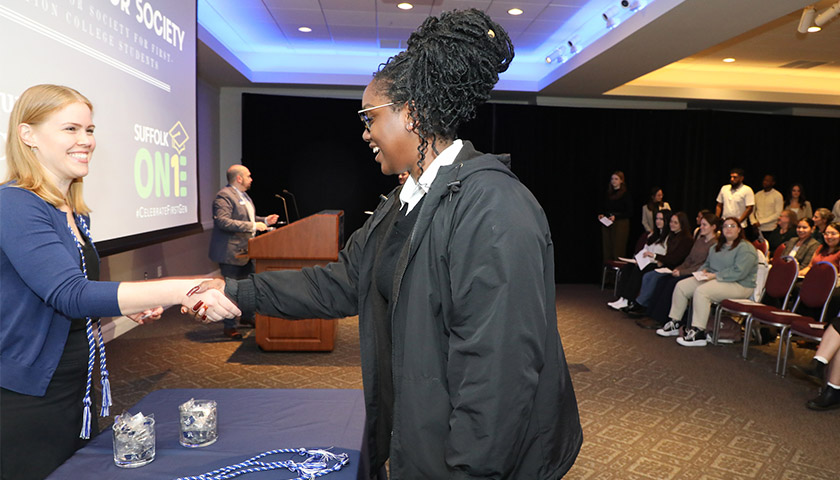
(313, 147)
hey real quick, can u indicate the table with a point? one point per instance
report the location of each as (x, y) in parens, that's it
(250, 421)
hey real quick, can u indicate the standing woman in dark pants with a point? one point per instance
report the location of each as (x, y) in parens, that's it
(49, 269)
(617, 207)
(452, 278)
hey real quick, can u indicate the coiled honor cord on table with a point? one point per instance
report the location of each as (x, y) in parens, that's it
(317, 464)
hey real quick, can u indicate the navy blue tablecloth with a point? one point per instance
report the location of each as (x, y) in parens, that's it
(249, 422)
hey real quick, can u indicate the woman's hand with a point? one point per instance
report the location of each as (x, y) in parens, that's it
(600, 216)
(147, 316)
(675, 273)
(208, 303)
(648, 253)
(612, 218)
(710, 276)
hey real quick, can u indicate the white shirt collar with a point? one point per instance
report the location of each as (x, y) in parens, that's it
(413, 190)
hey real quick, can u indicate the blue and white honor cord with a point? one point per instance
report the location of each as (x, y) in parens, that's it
(317, 464)
(103, 365)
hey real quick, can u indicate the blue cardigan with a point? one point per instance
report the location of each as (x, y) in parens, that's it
(42, 287)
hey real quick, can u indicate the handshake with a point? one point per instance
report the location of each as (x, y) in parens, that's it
(205, 301)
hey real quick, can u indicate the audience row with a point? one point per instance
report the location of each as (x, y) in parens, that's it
(720, 263)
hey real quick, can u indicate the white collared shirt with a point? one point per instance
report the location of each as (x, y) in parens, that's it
(413, 190)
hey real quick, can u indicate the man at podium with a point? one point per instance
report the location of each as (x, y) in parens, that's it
(235, 222)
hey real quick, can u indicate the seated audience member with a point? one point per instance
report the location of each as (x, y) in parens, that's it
(654, 204)
(729, 273)
(700, 215)
(797, 203)
(803, 246)
(824, 370)
(784, 231)
(836, 210)
(829, 251)
(678, 246)
(630, 273)
(659, 303)
(822, 218)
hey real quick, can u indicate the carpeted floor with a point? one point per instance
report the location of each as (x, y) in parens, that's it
(650, 408)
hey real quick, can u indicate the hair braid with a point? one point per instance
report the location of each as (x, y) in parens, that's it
(447, 71)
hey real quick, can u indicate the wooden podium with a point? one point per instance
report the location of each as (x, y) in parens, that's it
(310, 241)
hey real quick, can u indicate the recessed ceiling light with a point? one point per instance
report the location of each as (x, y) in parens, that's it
(405, 6)
(304, 29)
(515, 11)
(813, 29)
(729, 60)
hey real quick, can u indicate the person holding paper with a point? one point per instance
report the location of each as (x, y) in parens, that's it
(824, 370)
(659, 300)
(668, 252)
(679, 245)
(615, 218)
(655, 241)
(728, 272)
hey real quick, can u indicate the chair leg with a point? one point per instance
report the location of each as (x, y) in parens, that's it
(603, 277)
(615, 286)
(716, 325)
(782, 334)
(787, 351)
(747, 332)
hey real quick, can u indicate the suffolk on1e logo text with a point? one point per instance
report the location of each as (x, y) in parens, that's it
(159, 172)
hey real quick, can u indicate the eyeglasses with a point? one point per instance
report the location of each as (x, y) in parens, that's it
(364, 117)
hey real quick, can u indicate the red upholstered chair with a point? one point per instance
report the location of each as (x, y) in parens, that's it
(801, 327)
(815, 292)
(761, 245)
(612, 266)
(777, 253)
(779, 284)
(615, 265)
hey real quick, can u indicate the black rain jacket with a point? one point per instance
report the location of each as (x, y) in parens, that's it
(481, 388)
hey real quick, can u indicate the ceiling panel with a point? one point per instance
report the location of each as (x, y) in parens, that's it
(351, 18)
(372, 29)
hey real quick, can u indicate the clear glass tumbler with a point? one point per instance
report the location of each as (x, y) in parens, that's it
(134, 442)
(198, 423)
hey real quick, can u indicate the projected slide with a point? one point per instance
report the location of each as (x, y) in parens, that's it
(135, 61)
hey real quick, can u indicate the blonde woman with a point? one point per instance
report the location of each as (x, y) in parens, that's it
(49, 270)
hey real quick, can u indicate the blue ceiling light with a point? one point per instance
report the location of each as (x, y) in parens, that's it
(345, 46)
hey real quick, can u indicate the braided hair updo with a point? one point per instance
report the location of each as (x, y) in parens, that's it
(448, 70)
